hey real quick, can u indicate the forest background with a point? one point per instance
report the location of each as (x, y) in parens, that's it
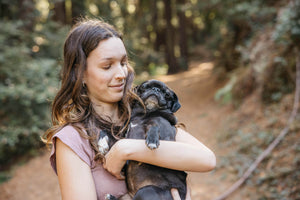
(252, 43)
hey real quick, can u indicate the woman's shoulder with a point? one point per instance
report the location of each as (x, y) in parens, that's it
(71, 132)
(69, 135)
(75, 137)
(71, 128)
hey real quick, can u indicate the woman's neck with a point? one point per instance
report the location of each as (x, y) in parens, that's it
(107, 111)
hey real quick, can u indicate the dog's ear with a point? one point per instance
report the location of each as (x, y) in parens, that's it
(139, 87)
(175, 103)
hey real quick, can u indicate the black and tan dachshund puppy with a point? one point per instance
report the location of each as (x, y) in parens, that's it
(154, 122)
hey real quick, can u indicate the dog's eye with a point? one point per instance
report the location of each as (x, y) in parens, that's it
(142, 87)
(156, 89)
(167, 95)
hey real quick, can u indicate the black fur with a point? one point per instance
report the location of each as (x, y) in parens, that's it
(156, 123)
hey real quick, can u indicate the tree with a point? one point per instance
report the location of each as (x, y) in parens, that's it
(183, 61)
(170, 40)
(78, 9)
(59, 14)
(5, 10)
(26, 11)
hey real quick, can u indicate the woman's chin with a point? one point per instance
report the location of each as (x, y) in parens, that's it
(118, 97)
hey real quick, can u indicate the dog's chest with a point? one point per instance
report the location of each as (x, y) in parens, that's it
(139, 127)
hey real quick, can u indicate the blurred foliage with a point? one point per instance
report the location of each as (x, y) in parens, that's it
(224, 94)
(259, 38)
(233, 23)
(29, 79)
(287, 29)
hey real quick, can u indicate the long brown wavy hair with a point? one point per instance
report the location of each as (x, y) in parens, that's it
(72, 106)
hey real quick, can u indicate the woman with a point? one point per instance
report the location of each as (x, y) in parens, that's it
(96, 94)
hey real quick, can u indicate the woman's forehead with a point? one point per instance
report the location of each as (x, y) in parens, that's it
(111, 48)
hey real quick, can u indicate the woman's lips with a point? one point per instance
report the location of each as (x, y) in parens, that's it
(118, 87)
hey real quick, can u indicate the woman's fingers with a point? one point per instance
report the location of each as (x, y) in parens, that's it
(188, 193)
(175, 194)
(114, 161)
(115, 172)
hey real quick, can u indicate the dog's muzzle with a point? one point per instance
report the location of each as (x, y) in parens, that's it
(154, 96)
(151, 102)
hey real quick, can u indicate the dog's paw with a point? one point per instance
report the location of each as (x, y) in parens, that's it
(152, 136)
(152, 144)
(103, 145)
(110, 197)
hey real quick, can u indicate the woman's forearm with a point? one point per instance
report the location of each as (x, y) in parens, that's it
(186, 154)
(170, 154)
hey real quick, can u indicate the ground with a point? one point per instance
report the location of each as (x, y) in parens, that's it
(202, 116)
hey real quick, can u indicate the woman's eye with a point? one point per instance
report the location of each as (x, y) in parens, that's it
(107, 67)
(123, 64)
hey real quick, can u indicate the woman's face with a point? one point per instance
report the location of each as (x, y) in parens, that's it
(106, 72)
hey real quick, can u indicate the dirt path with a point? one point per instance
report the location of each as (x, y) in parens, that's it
(201, 115)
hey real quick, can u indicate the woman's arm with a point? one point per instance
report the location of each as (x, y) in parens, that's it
(74, 175)
(186, 154)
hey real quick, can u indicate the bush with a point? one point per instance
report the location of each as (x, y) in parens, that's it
(28, 81)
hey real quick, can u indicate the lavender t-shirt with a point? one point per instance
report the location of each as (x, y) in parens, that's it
(105, 183)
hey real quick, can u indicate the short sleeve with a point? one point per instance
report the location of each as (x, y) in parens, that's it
(70, 137)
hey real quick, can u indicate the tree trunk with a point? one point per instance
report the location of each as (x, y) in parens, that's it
(5, 11)
(26, 10)
(182, 36)
(78, 9)
(170, 40)
(142, 5)
(60, 12)
(159, 36)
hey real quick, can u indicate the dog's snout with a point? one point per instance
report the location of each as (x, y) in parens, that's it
(156, 89)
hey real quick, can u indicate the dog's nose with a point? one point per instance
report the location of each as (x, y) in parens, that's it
(156, 89)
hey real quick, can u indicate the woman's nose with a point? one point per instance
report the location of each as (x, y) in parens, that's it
(121, 72)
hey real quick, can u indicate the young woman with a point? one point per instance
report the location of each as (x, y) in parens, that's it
(96, 94)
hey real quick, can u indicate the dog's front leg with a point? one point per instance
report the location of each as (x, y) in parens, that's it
(152, 136)
(103, 145)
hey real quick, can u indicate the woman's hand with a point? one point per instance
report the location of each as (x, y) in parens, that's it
(175, 194)
(115, 159)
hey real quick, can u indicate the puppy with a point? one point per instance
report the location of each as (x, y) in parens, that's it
(153, 123)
